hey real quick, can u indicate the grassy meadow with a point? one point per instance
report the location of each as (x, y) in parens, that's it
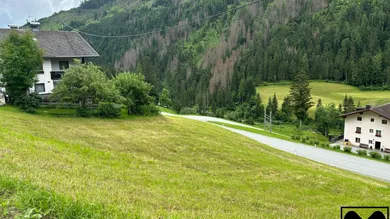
(328, 92)
(162, 167)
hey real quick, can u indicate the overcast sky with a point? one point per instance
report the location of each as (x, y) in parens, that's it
(17, 11)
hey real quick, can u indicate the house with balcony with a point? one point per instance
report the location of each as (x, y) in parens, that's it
(60, 49)
(369, 128)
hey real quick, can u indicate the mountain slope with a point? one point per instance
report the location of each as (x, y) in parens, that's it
(191, 60)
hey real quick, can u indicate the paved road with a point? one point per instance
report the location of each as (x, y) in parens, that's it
(358, 165)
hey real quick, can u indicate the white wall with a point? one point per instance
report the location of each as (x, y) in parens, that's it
(2, 99)
(48, 66)
(351, 123)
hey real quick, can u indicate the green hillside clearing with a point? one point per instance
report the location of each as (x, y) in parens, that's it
(153, 167)
(328, 92)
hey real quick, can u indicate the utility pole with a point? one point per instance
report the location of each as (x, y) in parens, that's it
(267, 120)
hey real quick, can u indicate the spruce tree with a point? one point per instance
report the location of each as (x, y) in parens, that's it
(275, 104)
(319, 103)
(300, 96)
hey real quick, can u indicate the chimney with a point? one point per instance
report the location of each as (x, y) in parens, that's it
(12, 26)
(34, 25)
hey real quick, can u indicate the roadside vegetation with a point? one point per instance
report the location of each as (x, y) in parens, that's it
(144, 167)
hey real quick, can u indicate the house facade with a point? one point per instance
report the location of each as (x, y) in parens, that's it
(60, 48)
(369, 128)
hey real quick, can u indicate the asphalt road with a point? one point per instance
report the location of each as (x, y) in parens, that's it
(362, 166)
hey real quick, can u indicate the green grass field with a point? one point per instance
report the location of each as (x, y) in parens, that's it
(328, 92)
(160, 167)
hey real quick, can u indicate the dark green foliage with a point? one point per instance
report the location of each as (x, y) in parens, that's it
(20, 58)
(149, 109)
(348, 104)
(327, 117)
(300, 96)
(188, 111)
(135, 91)
(386, 157)
(165, 99)
(29, 102)
(336, 147)
(347, 149)
(109, 110)
(375, 155)
(286, 111)
(85, 85)
(83, 111)
(362, 152)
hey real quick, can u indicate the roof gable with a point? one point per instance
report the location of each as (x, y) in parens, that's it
(59, 44)
(382, 110)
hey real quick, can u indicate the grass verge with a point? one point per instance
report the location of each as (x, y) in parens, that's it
(159, 167)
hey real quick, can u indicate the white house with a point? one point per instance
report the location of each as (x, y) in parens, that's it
(369, 127)
(60, 49)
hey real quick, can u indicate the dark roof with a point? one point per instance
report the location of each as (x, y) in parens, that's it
(59, 44)
(383, 110)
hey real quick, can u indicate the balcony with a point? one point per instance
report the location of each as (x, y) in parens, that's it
(378, 135)
(56, 75)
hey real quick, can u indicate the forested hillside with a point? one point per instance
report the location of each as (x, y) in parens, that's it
(218, 62)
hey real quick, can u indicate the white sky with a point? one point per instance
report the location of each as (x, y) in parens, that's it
(17, 11)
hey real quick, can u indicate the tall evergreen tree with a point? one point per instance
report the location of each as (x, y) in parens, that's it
(319, 103)
(275, 104)
(300, 96)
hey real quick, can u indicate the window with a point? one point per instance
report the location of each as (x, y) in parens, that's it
(40, 69)
(358, 130)
(357, 140)
(39, 88)
(372, 120)
(64, 65)
(371, 130)
(370, 142)
(378, 133)
(359, 118)
(384, 122)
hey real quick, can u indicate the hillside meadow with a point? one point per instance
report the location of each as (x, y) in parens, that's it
(162, 167)
(328, 92)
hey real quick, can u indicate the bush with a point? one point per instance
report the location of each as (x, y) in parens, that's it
(303, 140)
(208, 113)
(362, 152)
(220, 113)
(348, 149)
(336, 147)
(109, 110)
(83, 111)
(322, 144)
(375, 155)
(311, 142)
(316, 142)
(150, 109)
(29, 102)
(188, 111)
(386, 157)
(249, 121)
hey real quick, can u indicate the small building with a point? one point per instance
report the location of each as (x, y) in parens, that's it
(369, 127)
(60, 49)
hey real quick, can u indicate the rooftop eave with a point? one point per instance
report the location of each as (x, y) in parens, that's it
(74, 56)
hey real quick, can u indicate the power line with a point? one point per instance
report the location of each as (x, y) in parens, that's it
(169, 28)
